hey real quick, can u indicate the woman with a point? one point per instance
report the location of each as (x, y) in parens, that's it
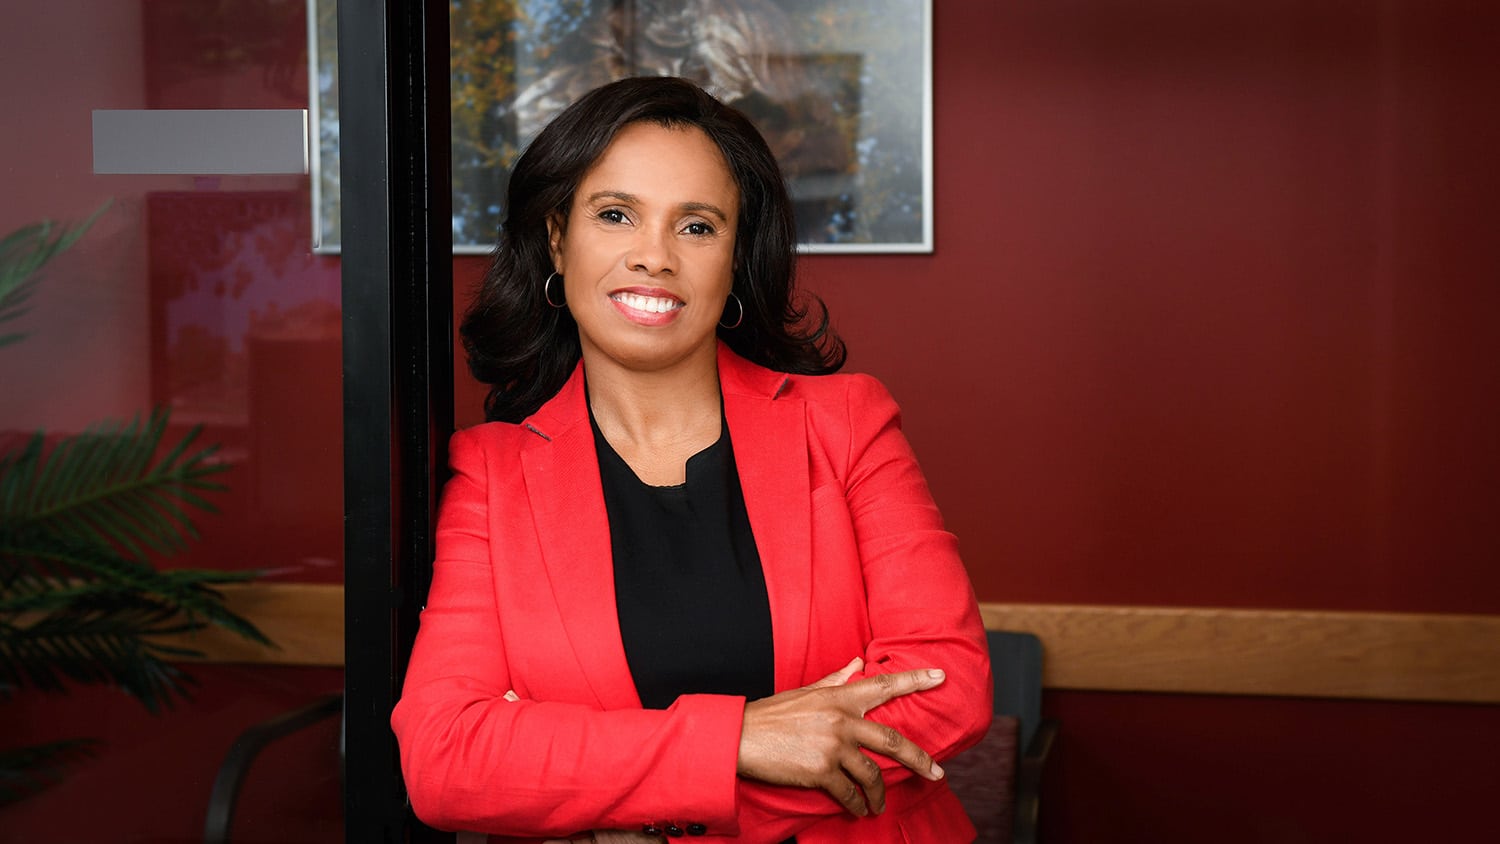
(683, 585)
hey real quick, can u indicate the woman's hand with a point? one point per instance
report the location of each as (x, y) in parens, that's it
(811, 737)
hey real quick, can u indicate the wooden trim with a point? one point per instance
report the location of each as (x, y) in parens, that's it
(1362, 655)
(305, 620)
(1382, 656)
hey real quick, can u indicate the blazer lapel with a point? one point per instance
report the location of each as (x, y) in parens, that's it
(770, 451)
(561, 469)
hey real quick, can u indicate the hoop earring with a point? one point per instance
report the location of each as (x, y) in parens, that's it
(737, 320)
(547, 291)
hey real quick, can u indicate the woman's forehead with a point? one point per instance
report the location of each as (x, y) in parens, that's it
(649, 160)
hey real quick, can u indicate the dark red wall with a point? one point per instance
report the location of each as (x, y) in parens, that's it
(1209, 316)
(1209, 323)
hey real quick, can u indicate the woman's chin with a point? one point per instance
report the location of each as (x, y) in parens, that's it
(653, 351)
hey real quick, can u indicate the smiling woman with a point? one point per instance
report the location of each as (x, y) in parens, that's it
(623, 640)
(647, 251)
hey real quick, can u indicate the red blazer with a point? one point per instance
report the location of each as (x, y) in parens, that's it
(856, 563)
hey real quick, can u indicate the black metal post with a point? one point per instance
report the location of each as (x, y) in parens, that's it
(398, 371)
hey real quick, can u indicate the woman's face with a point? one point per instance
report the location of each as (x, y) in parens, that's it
(647, 253)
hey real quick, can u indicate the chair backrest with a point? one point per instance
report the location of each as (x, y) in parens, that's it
(1016, 660)
(985, 777)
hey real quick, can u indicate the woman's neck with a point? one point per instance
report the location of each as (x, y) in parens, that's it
(656, 420)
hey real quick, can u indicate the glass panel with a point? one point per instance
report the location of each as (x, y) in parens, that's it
(197, 297)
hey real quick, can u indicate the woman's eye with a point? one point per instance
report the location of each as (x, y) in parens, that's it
(699, 229)
(612, 215)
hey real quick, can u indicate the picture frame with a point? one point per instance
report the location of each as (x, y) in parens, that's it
(841, 89)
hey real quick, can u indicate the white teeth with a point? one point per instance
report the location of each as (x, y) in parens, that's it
(650, 304)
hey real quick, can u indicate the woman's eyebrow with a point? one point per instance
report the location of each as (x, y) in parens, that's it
(614, 194)
(706, 208)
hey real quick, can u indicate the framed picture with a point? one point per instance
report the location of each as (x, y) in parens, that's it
(841, 89)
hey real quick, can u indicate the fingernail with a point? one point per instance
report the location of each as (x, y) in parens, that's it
(937, 771)
(936, 673)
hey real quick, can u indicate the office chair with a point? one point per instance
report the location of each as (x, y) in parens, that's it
(999, 779)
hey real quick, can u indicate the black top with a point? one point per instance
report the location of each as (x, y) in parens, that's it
(689, 588)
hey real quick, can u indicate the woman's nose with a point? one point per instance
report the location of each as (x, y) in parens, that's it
(651, 252)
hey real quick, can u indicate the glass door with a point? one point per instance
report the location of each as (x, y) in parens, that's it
(180, 388)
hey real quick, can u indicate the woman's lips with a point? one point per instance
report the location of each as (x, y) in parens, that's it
(646, 307)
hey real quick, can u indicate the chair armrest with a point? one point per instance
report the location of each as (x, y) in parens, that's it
(242, 753)
(1029, 782)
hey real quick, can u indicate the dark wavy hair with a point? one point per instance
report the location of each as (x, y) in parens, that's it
(525, 349)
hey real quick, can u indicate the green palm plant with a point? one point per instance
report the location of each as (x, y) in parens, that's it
(22, 253)
(79, 520)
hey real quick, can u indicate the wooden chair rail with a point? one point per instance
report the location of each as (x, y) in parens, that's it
(305, 620)
(1383, 656)
(1379, 656)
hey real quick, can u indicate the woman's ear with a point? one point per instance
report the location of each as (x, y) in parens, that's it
(556, 230)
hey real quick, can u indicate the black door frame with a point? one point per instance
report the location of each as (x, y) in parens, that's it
(397, 282)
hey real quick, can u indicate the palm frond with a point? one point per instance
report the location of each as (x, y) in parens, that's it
(24, 771)
(22, 253)
(94, 645)
(102, 486)
(41, 573)
(191, 592)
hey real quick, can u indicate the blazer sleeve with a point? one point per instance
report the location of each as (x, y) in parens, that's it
(922, 609)
(473, 760)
